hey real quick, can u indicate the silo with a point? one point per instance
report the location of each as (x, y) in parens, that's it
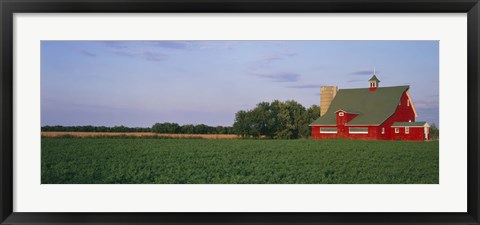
(327, 93)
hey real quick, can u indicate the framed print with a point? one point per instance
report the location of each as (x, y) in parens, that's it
(259, 112)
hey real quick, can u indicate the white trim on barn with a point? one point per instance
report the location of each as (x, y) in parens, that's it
(411, 103)
(412, 126)
(426, 131)
(358, 130)
(328, 130)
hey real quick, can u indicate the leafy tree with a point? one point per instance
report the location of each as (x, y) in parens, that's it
(434, 132)
(168, 128)
(201, 129)
(279, 120)
(188, 129)
(313, 112)
(242, 124)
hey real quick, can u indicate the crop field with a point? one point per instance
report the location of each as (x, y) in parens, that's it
(207, 161)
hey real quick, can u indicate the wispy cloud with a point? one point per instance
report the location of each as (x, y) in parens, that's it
(259, 67)
(206, 45)
(279, 76)
(87, 53)
(192, 45)
(305, 86)
(146, 55)
(356, 80)
(364, 72)
(278, 56)
(426, 104)
(170, 44)
(116, 44)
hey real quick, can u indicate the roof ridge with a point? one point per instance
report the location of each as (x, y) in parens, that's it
(377, 88)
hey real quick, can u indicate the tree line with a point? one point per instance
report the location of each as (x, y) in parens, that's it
(434, 132)
(95, 129)
(276, 120)
(172, 128)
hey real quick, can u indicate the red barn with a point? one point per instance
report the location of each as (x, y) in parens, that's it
(374, 113)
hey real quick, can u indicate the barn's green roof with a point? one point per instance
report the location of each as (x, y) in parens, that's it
(373, 107)
(409, 124)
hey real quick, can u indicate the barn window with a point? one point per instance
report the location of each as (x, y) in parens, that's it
(358, 130)
(383, 130)
(328, 130)
(407, 130)
(397, 130)
(340, 114)
(408, 103)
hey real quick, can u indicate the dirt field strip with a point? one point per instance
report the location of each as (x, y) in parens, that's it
(139, 134)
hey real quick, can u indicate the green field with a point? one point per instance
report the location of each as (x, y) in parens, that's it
(200, 161)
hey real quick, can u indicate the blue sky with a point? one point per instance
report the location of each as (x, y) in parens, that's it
(139, 83)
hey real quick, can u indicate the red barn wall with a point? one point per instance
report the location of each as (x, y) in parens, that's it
(415, 134)
(350, 116)
(317, 135)
(342, 120)
(372, 133)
